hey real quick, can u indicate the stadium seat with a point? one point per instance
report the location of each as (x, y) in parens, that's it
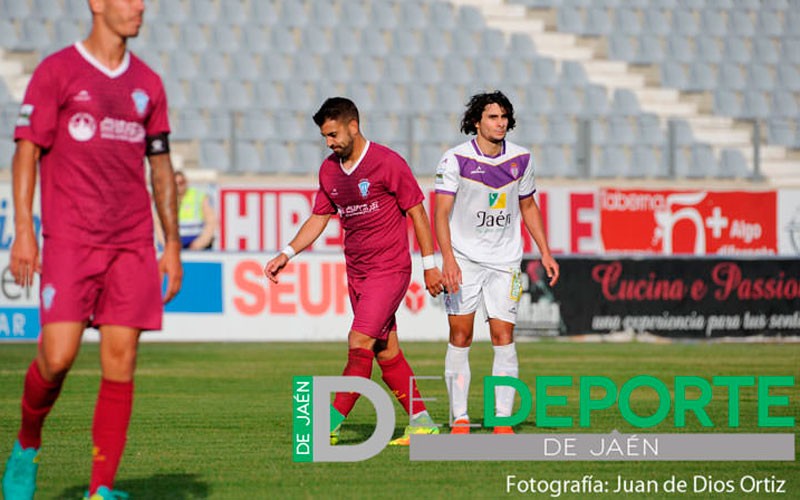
(626, 22)
(176, 94)
(189, 125)
(66, 32)
(443, 16)
(570, 20)
(464, 44)
(234, 13)
(16, 10)
(784, 105)
(768, 24)
(293, 14)
(754, 105)
(471, 19)
(354, 15)
(620, 132)
(204, 12)
(732, 165)
(435, 43)
(613, 162)
(680, 49)
(544, 72)
(702, 164)
(493, 43)
(487, 73)
(537, 100)
(282, 39)
(456, 71)
(181, 65)
(736, 51)
(426, 70)
(625, 103)
(76, 10)
(521, 46)
(380, 128)
(214, 156)
(649, 131)
(684, 23)
(554, 162)
(34, 35)
(791, 23)
(383, 16)
(726, 103)
(171, 12)
(567, 102)
(213, 65)
(529, 131)
(707, 49)
(373, 42)
(730, 77)
(645, 162)
(255, 38)
(244, 67)
(306, 68)
(277, 157)
(759, 77)
(655, 21)
(323, 15)
(701, 77)
(573, 74)
(389, 98)
(235, 95)
(648, 50)
(595, 101)
(780, 132)
(597, 22)
(247, 158)
(8, 34)
(712, 23)
(418, 97)
(224, 39)
(309, 157)
(764, 50)
(220, 125)
(740, 24)
(621, 48)
(788, 77)
(560, 130)
(683, 133)
(193, 37)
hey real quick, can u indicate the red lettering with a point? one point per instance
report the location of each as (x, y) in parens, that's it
(651, 288)
(579, 229)
(283, 287)
(342, 293)
(698, 290)
(728, 276)
(324, 303)
(246, 276)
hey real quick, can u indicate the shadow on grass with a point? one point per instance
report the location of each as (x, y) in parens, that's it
(166, 486)
(358, 433)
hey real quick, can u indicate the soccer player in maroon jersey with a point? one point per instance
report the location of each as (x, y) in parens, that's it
(372, 189)
(90, 115)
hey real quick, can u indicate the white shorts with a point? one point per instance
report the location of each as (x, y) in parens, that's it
(500, 289)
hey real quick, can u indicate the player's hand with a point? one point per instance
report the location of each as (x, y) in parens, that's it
(170, 265)
(25, 259)
(434, 282)
(451, 274)
(551, 268)
(275, 266)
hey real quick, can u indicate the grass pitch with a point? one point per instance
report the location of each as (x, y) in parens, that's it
(214, 421)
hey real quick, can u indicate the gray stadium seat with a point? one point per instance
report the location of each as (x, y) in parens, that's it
(680, 49)
(176, 95)
(701, 77)
(702, 163)
(257, 126)
(573, 74)
(204, 12)
(673, 74)
(733, 165)
(464, 44)
(684, 23)
(712, 23)
(383, 16)
(683, 133)
(213, 155)
(442, 16)
(736, 50)
(537, 99)
(220, 126)
(172, 12)
(788, 77)
(277, 157)
(255, 38)
(213, 65)
(739, 23)
(282, 39)
(764, 51)
(306, 67)
(645, 162)
(66, 32)
(707, 49)
(730, 77)
(426, 70)
(570, 20)
(193, 37)
(784, 105)
(335, 70)
(263, 13)
(649, 131)
(775, 4)
(625, 103)
(389, 98)
(309, 156)
(190, 124)
(314, 40)
(595, 101)
(780, 132)
(373, 42)
(529, 131)
(435, 43)
(234, 13)
(597, 22)
(77, 11)
(161, 36)
(293, 14)
(248, 158)
(554, 162)
(244, 67)
(181, 64)
(275, 67)
(323, 14)
(487, 73)
(599, 133)
(16, 9)
(544, 72)
(626, 22)
(768, 24)
(620, 132)
(380, 128)
(8, 34)
(759, 77)
(726, 103)
(345, 40)
(521, 46)
(412, 16)
(360, 94)
(649, 50)
(235, 95)
(613, 162)
(516, 72)
(567, 102)
(225, 39)
(493, 43)
(354, 14)
(470, 18)
(153, 59)
(456, 71)
(34, 35)
(655, 21)
(791, 22)
(621, 48)
(395, 68)
(755, 105)
(418, 97)
(560, 130)
(266, 96)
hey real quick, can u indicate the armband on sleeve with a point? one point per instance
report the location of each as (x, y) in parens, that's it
(157, 144)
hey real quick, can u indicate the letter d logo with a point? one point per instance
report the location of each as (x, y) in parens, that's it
(321, 449)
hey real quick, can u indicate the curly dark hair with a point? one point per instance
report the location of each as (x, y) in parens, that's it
(478, 103)
(340, 109)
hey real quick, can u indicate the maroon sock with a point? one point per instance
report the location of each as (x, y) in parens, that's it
(38, 398)
(359, 364)
(109, 431)
(396, 374)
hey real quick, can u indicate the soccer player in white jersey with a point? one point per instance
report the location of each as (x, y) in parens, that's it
(484, 188)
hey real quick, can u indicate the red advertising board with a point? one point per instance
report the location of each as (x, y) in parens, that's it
(695, 222)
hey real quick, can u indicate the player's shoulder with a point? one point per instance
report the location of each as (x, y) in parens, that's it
(463, 149)
(142, 68)
(514, 149)
(381, 151)
(59, 59)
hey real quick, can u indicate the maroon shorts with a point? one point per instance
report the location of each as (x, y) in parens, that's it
(375, 301)
(102, 286)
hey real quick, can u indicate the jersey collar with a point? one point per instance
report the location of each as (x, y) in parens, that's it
(357, 163)
(474, 143)
(123, 67)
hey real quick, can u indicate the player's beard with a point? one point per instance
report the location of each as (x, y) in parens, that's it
(345, 151)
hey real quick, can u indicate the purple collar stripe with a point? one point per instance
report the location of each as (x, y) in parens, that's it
(474, 143)
(494, 176)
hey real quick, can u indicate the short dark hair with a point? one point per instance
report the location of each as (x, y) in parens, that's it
(340, 109)
(478, 103)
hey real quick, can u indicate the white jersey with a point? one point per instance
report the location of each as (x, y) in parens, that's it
(485, 219)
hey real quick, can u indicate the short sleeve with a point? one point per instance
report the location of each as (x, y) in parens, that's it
(322, 203)
(447, 174)
(527, 185)
(38, 115)
(403, 184)
(158, 121)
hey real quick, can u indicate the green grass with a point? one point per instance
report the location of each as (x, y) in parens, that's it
(214, 420)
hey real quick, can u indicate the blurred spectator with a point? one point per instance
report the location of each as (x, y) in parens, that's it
(198, 221)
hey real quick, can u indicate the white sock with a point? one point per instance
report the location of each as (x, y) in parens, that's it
(457, 376)
(505, 364)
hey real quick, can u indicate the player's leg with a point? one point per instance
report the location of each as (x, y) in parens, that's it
(501, 300)
(461, 309)
(58, 346)
(118, 347)
(130, 302)
(359, 364)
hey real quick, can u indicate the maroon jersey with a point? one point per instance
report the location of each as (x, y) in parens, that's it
(371, 199)
(91, 124)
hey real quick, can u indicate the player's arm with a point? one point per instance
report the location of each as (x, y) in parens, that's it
(308, 234)
(209, 227)
(532, 218)
(25, 249)
(422, 229)
(165, 195)
(441, 221)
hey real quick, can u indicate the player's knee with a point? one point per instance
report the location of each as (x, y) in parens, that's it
(55, 366)
(461, 338)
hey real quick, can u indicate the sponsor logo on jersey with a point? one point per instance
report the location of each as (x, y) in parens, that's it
(24, 117)
(478, 170)
(497, 201)
(121, 130)
(82, 127)
(363, 187)
(140, 100)
(335, 192)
